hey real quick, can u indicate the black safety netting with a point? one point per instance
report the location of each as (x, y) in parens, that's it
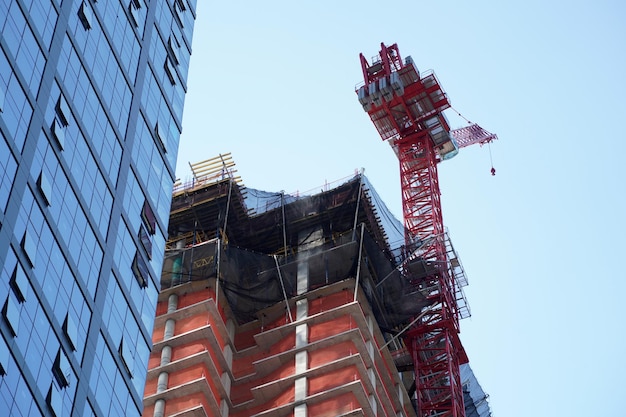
(252, 281)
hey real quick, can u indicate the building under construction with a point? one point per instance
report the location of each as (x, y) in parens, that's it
(279, 305)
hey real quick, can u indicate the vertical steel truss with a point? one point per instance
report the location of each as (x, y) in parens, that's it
(420, 187)
(435, 343)
(439, 390)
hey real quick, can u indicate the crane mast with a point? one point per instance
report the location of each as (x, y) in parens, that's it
(406, 107)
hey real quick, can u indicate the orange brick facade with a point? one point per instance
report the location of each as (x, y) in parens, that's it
(320, 357)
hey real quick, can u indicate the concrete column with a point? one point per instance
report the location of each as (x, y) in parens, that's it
(224, 408)
(373, 404)
(301, 389)
(166, 355)
(302, 361)
(159, 408)
(226, 383)
(370, 324)
(302, 357)
(172, 303)
(302, 335)
(369, 345)
(302, 276)
(302, 309)
(225, 380)
(300, 411)
(372, 376)
(230, 328)
(162, 382)
(228, 356)
(302, 330)
(169, 329)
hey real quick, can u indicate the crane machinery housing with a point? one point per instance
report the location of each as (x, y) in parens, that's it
(407, 107)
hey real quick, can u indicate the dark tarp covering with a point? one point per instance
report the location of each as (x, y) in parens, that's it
(251, 280)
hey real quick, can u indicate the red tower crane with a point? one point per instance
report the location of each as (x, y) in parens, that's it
(406, 108)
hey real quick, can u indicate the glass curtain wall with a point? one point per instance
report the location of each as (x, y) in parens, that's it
(91, 102)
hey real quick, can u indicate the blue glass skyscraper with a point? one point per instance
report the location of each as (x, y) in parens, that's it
(91, 102)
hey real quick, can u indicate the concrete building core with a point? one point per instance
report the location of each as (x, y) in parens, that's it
(280, 305)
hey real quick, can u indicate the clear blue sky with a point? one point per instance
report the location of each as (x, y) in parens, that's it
(273, 83)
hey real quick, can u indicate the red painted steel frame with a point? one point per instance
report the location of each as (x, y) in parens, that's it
(390, 61)
(434, 340)
(438, 380)
(436, 347)
(420, 187)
